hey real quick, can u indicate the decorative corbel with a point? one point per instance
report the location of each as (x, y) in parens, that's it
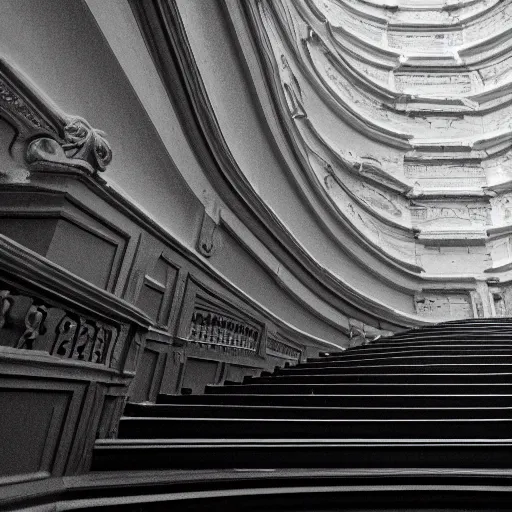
(45, 134)
(208, 240)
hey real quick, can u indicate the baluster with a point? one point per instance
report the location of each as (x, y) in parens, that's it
(215, 329)
(193, 327)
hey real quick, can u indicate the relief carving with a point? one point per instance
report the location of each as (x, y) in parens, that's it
(26, 324)
(380, 200)
(83, 147)
(433, 83)
(12, 102)
(451, 215)
(84, 142)
(499, 305)
(372, 168)
(5, 305)
(84, 341)
(428, 40)
(65, 337)
(292, 90)
(444, 305)
(56, 137)
(478, 304)
(34, 326)
(445, 175)
(105, 335)
(502, 206)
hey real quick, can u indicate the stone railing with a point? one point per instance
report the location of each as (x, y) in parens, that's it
(210, 328)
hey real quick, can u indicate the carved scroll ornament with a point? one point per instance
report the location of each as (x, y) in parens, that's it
(45, 133)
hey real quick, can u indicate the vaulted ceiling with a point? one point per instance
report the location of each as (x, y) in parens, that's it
(402, 113)
(371, 140)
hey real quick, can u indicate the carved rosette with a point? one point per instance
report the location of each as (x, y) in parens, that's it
(45, 134)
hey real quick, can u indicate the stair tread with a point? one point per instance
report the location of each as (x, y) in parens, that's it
(304, 441)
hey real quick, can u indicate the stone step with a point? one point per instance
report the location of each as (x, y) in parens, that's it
(370, 352)
(434, 334)
(361, 389)
(403, 399)
(391, 366)
(276, 411)
(204, 453)
(339, 368)
(439, 342)
(481, 328)
(483, 337)
(383, 378)
(386, 359)
(472, 323)
(290, 428)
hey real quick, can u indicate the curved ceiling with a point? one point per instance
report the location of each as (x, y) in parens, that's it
(403, 114)
(388, 127)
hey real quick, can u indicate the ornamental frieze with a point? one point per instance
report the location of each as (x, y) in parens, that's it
(29, 323)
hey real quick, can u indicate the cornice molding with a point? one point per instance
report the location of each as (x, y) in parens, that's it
(445, 13)
(55, 282)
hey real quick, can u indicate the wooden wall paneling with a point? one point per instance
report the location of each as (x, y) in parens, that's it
(226, 323)
(150, 372)
(200, 371)
(38, 421)
(34, 324)
(177, 302)
(147, 248)
(187, 309)
(100, 224)
(86, 431)
(173, 371)
(236, 372)
(146, 368)
(111, 413)
(65, 231)
(153, 280)
(170, 277)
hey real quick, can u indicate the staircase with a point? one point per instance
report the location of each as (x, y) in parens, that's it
(431, 405)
